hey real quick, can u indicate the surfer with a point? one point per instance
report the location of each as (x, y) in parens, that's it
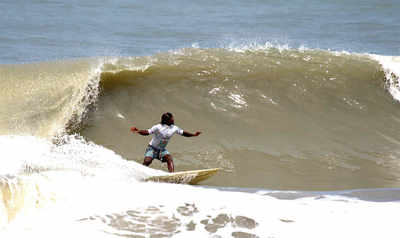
(161, 134)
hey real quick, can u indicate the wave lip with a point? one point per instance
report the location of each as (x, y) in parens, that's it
(40, 99)
(391, 65)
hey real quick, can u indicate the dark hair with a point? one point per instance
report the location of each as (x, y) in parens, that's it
(165, 118)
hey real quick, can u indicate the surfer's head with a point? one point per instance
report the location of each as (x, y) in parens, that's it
(167, 119)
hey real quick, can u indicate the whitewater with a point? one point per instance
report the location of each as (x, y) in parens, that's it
(82, 189)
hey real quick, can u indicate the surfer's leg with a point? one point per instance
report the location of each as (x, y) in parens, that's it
(170, 163)
(148, 156)
(147, 161)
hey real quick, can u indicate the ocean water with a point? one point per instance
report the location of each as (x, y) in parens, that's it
(298, 102)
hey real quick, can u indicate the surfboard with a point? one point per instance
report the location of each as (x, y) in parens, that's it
(185, 177)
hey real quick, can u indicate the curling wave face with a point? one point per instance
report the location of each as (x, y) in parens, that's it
(305, 117)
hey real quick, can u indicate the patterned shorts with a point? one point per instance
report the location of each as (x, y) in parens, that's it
(156, 153)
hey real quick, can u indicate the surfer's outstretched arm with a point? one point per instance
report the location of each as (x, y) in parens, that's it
(188, 134)
(141, 132)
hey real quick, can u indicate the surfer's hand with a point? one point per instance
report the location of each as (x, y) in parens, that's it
(134, 129)
(189, 134)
